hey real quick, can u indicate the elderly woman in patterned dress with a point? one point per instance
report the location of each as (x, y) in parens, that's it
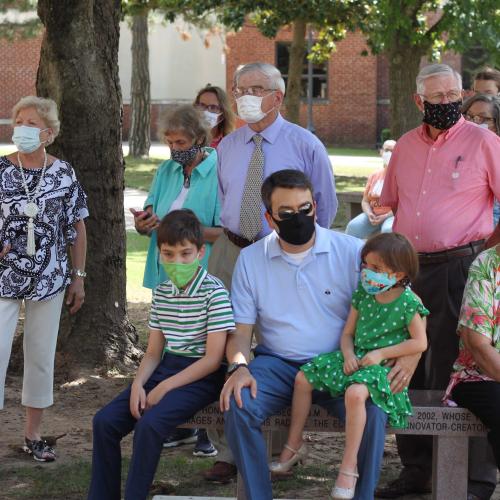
(42, 207)
(475, 381)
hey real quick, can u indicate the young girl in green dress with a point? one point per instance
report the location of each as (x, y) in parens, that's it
(385, 322)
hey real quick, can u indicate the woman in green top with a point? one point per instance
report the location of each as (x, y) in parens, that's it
(385, 322)
(187, 180)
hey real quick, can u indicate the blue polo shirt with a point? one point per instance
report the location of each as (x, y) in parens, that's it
(299, 309)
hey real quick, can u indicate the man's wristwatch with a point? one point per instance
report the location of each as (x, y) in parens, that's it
(79, 273)
(234, 366)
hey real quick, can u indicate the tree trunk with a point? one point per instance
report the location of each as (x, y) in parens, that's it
(404, 64)
(79, 70)
(295, 67)
(140, 106)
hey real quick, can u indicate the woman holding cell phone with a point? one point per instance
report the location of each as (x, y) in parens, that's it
(187, 180)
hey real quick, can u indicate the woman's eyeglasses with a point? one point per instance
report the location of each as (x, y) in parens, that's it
(213, 108)
(478, 118)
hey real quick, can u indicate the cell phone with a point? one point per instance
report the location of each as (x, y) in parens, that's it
(140, 213)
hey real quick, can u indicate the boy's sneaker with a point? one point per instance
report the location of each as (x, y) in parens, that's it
(39, 449)
(204, 448)
(180, 437)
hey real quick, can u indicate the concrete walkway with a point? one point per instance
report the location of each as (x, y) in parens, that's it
(132, 198)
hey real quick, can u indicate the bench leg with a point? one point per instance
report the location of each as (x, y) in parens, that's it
(449, 467)
(240, 485)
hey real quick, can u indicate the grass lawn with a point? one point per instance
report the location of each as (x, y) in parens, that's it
(177, 474)
(137, 249)
(338, 151)
(139, 172)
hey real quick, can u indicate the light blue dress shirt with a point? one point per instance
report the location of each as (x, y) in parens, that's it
(285, 145)
(202, 199)
(300, 309)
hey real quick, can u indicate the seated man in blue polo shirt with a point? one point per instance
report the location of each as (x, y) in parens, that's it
(296, 286)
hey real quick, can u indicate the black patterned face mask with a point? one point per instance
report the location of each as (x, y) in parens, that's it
(442, 116)
(186, 157)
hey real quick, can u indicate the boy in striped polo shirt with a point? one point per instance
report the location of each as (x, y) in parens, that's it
(180, 372)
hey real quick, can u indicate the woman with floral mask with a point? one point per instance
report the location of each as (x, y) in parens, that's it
(374, 218)
(214, 103)
(187, 180)
(42, 207)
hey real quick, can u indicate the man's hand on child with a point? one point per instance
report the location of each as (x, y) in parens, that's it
(371, 358)
(351, 365)
(402, 370)
(137, 400)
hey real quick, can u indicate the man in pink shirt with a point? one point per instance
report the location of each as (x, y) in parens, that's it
(440, 183)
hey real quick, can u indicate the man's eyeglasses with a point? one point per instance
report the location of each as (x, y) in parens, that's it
(288, 213)
(478, 118)
(255, 90)
(451, 96)
(213, 108)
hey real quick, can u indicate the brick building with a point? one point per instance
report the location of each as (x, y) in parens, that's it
(346, 110)
(19, 61)
(351, 91)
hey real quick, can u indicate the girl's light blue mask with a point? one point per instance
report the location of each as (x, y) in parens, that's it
(26, 139)
(375, 283)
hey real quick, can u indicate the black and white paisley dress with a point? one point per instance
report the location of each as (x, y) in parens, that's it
(62, 203)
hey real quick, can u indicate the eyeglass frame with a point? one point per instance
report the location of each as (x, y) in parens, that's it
(483, 119)
(212, 108)
(238, 92)
(288, 213)
(442, 96)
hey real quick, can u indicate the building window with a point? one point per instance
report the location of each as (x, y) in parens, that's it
(320, 72)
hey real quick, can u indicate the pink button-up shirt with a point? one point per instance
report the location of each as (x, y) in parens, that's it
(442, 191)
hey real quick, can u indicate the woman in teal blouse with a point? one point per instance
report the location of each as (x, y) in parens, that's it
(187, 180)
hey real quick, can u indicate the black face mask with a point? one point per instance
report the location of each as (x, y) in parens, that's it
(185, 158)
(442, 116)
(297, 230)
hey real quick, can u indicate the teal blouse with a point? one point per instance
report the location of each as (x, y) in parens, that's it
(202, 199)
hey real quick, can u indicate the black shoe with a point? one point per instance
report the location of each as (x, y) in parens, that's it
(403, 486)
(204, 448)
(180, 437)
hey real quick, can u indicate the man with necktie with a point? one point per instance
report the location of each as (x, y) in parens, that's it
(266, 144)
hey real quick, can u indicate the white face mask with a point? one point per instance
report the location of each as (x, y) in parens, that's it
(212, 118)
(484, 125)
(249, 108)
(386, 157)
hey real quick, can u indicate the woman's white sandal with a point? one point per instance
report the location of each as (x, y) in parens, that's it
(339, 493)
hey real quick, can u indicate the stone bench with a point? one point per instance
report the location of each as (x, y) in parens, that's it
(352, 201)
(450, 428)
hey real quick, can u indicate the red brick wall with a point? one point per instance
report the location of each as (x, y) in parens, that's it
(349, 115)
(19, 64)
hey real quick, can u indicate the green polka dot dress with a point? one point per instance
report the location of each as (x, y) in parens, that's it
(378, 325)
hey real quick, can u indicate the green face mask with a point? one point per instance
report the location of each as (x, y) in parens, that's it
(180, 273)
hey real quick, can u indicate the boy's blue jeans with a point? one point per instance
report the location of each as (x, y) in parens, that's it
(275, 380)
(114, 421)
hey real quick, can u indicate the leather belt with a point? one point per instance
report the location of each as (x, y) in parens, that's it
(471, 248)
(239, 241)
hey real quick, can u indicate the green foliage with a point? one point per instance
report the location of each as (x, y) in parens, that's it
(385, 135)
(431, 25)
(15, 20)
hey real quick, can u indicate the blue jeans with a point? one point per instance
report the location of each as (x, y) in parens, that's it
(275, 380)
(114, 421)
(361, 227)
